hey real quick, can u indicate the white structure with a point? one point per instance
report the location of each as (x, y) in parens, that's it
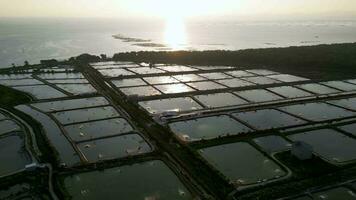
(302, 150)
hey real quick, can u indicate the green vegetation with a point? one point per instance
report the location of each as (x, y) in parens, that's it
(321, 61)
(10, 97)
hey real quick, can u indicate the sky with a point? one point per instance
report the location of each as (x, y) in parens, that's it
(249, 9)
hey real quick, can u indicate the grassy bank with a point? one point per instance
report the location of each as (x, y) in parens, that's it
(10, 97)
(321, 61)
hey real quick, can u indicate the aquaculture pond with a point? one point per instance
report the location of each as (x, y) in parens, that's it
(2, 116)
(261, 80)
(7, 126)
(77, 89)
(268, 119)
(242, 164)
(18, 82)
(41, 91)
(258, 95)
(272, 143)
(171, 104)
(317, 111)
(70, 104)
(208, 127)
(234, 83)
(349, 128)
(177, 68)
(140, 91)
(189, 78)
(340, 148)
(115, 72)
(174, 88)
(98, 129)
(318, 89)
(160, 80)
(14, 76)
(287, 78)
(206, 85)
(58, 141)
(220, 100)
(262, 72)
(346, 103)
(87, 114)
(68, 81)
(146, 70)
(339, 193)
(148, 180)
(129, 82)
(215, 75)
(13, 154)
(61, 76)
(290, 92)
(114, 147)
(340, 85)
(239, 73)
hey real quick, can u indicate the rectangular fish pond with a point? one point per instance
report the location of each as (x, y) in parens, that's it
(330, 145)
(242, 164)
(148, 180)
(114, 147)
(208, 127)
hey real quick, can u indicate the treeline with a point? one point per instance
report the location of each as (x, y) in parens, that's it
(321, 61)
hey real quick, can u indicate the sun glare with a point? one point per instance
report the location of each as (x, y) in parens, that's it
(175, 33)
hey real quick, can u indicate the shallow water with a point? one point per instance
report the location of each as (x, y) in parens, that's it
(114, 147)
(340, 85)
(345, 103)
(290, 92)
(208, 127)
(234, 83)
(189, 77)
(260, 80)
(115, 72)
(339, 149)
(273, 143)
(174, 88)
(18, 82)
(160, 80)
(41, 91)
(75, 116)
(318, 89)
(172, 104)
(317, 111)
(215, 75)
(7, 126)
(258, 95)
(129, 82)
(287, 78)
(340, 193)
(220, 100)
(13, 156)
(140, 91)
(65, 150)
(206, 85)
(70, 104)
(268, 119)
(97, 129)
(146, 180)
(242, 163)
(77, 89)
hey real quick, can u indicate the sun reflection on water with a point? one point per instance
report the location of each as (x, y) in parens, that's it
(175, 33)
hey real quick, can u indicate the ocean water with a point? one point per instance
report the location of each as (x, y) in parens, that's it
(36, 39)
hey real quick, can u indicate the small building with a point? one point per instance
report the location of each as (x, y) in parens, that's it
(302, 150)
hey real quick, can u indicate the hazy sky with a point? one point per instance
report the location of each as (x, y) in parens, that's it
(187, 8)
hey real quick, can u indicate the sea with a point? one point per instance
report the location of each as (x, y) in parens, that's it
(34, 39)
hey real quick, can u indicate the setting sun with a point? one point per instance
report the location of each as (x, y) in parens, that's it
(175, 33)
